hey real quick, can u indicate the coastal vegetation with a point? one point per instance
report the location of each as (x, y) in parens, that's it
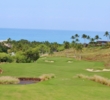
(29, 51)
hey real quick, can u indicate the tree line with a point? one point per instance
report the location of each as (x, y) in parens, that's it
(29, 51)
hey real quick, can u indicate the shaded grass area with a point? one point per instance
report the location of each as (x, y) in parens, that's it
(63, 87)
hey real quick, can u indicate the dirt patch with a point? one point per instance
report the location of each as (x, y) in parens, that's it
(92, 70)
(24, 80)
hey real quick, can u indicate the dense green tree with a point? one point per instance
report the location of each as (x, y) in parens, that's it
(66, 44)
(3, 48)
(4, 57)
(42, 48)
(31, 55)
(61, 48)
(20, 58)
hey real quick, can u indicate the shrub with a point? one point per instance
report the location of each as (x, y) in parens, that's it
(28, 56)
(20, 58)
(8, 80)
(4, 57)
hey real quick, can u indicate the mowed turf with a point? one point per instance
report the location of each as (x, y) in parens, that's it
(64, 87)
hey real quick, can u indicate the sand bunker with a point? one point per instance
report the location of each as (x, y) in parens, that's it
(92, 70)
(50, 61)
(69, 61)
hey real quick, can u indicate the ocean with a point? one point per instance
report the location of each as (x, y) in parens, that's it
(46, 35)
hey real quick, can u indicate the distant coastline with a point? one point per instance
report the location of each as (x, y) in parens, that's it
(51, 29)
(44, 34)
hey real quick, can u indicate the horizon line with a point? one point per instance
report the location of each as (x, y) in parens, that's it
(52, 29)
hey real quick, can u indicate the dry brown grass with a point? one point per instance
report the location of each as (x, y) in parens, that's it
(82, 76)
(8, 80)
(95, 78)
(88, 54)
(45, 77)
(1, 71)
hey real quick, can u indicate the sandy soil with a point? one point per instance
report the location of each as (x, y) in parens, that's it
(69, 61)
(92, 70)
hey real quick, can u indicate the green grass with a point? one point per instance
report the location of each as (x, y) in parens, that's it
(63, 87)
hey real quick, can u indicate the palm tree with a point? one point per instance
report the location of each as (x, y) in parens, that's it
(76, 35)
(107, 35)
(77, 40)
(97, 37)
(88, 37)
(92, 39)
(73, 37)
(84, 36)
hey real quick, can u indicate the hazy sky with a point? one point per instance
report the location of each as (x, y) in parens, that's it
(93, 15)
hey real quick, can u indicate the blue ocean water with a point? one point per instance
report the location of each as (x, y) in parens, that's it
(45, 35)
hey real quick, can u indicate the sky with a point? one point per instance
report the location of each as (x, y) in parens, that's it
(89, 15)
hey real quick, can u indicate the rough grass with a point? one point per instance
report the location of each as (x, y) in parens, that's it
(89, 54)
(63, 87)
(8, 80)
(95, 78)
(45, 77)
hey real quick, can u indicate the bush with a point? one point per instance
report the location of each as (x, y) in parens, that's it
(28, 56)
(31, 55)
(20, 59)
(4, 57)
